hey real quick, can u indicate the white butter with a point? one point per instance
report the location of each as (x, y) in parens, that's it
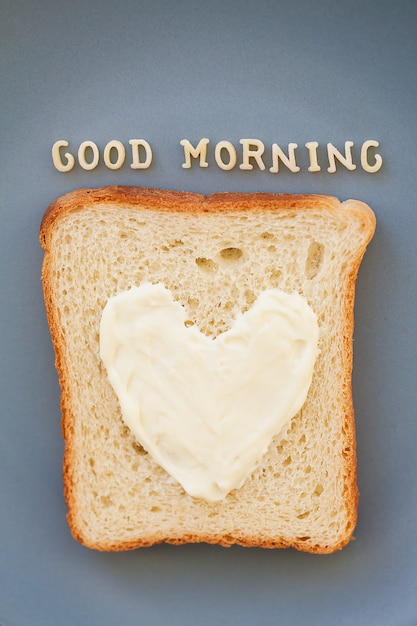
(207, 409)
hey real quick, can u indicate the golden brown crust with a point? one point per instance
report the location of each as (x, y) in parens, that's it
(349, 430)
(303, 544)
(164, 200)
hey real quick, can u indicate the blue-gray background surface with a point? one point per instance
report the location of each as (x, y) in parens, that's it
(281, 72)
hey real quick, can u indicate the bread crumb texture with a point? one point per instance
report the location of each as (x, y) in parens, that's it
(216, 259)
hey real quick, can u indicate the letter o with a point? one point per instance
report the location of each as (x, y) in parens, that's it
(114, 144)
(229, 147)
(81, 155)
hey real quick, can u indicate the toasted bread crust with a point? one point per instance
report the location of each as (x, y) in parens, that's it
(188, 202)
(184, 202)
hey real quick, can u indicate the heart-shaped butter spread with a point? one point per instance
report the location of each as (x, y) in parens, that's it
(207, 409)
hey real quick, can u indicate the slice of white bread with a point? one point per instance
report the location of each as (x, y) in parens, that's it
(216, 254)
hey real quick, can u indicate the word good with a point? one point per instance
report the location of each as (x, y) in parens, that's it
(114, 155)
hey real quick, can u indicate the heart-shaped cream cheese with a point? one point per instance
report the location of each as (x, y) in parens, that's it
(207, 409)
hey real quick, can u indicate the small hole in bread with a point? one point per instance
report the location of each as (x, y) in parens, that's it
(275, 277)
(250, 297)
(207, 265)
(314, 259)
(125, 432)
(231, 254)
(318, 490)
(193, 302)
(138, 448)
(106, 501)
